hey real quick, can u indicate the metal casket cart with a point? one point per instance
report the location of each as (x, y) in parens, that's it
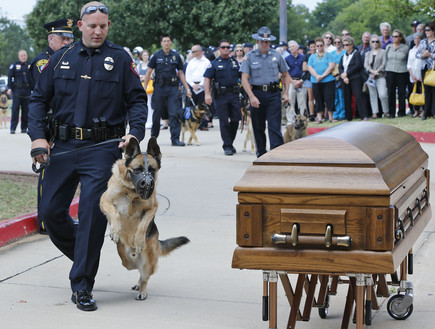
(347, 202)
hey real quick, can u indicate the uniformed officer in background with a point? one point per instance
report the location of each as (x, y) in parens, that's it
(59, 35)
(224, 72)
(260, 79)
(19, 88)
(92, 87)
(167, 63)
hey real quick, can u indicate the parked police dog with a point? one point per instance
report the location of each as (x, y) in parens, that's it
(130, 205)
(296, 129)
(191, 121)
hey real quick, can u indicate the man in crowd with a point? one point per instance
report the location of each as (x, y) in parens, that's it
(86, 111)
(224, 72)
(167, 64)
(260, 79)
(386, 38)
(19, 87)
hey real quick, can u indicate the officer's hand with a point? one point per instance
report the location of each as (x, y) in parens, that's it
(40, 143)
(254, 102)
(126, 138)
(9, 92)
(189, 93)
(285, 98)
(208, 100)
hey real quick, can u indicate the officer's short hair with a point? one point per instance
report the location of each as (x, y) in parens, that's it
(165, 35)
(222, 41)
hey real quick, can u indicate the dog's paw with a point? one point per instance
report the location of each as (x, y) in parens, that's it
(142, 296)
(115, 233)
(198, 144)
(135, 288)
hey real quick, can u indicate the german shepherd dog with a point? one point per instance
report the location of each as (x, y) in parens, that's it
(130, 205)
(193, 121)
(246, 120)
(296, 129)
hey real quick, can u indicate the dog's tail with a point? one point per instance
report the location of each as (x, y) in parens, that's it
(167, 246)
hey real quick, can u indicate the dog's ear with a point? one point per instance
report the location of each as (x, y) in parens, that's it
(132, 150)
(154, 150)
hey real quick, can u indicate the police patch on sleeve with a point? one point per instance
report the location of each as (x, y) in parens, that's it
(41, 63)
(133, 68)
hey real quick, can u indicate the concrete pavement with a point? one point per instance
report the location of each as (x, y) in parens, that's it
(195, 287)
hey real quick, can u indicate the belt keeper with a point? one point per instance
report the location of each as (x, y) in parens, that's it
(97, 130)
(103, 122)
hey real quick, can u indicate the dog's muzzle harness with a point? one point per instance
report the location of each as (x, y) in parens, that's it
(143, 181)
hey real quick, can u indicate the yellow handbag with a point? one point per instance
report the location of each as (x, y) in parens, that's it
(429, 78)
(335, 71)
(415, 98)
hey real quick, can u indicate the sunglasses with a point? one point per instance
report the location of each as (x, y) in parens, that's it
(93, 9)
(327, 38)
(396, 36)
(346, 44)
(239, 49)
(225, 47)
(375, 41)
(427, 30)
(319, 46)
(337, 42)
(344, 34)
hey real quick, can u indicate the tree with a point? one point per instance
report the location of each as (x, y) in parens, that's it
(13, 38)
(408, 8)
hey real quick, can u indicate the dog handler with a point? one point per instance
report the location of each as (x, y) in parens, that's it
(260, 79)
(92, 87)
(224, 71)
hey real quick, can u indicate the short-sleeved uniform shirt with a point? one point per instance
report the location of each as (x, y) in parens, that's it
(165, 65)
(225, 71)
(263, 69)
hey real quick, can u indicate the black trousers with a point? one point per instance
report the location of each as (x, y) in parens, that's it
(354, 87)
(17, 102)
(324, 95)
(229, 113)
(397, 81)
(429, 98)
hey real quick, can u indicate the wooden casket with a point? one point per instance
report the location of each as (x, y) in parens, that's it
(350, 199)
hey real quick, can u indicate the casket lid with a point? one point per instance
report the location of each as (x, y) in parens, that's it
(355, 157)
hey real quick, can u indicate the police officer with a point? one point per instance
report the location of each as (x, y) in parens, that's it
(59, 35)
(19, 87)
(260, 79)
(167, 63)
(224, 71)
(92, 87)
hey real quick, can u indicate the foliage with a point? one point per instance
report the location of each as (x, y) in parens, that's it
(406, 8)
(12, 39)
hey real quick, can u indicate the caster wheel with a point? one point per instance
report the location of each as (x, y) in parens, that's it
(396, 309)
(323, 310)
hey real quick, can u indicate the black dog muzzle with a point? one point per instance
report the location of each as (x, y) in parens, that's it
(143, 182)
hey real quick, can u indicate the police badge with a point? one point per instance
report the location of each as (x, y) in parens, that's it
(108, 63)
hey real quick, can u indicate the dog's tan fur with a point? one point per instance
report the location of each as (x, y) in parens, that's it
(246, 114)
(197, 113)
(131, 218)
(297, 129)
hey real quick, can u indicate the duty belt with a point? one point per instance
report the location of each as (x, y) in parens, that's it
(96, 134)
(273, 87)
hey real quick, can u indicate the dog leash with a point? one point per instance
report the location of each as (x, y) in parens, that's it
(41, 150)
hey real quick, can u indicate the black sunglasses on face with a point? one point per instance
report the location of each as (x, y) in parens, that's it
(427, 30)
(327, 38)
(225, 47)
(93, 9)
(375, 41)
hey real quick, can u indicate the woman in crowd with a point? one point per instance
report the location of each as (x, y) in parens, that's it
(426, 52)
(239, 53)
(339, 113)
(350, 71)
(374, 64)
(414, 69)
(397, 73)
(328, 37)
(143, 65)
(320, 66)
(306, 76)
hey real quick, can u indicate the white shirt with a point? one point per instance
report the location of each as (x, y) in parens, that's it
(346, 60)
(414, 63)
(195, 72)
(331, 48)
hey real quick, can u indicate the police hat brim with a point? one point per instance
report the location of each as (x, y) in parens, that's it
(257, 37)
(64, 34)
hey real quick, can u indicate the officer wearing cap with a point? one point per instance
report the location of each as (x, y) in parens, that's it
(224, 71)
(260, 79)
(59, 35)
(19, 88)
(167, 63)
(92, 87)
(247, 47)
(410, 38)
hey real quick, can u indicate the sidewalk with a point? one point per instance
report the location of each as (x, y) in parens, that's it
(195, 287)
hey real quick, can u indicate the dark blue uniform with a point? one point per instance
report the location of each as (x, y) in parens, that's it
(165, 96)
(38, 63)
(114, 92)
(19, 83)
(225, 73)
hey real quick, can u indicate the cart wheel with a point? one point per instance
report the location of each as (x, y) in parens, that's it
(323, 310)
(396, 310)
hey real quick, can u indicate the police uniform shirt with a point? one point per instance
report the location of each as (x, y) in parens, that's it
(165, 66)
(263, 69)
(18, 79)
(224, 71)
(38, 63)
(114, 90)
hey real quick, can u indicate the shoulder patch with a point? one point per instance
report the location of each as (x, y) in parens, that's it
(11, 67)
(41, 63)
(133, 68)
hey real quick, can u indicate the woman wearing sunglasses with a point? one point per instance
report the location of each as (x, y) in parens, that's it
(426, 52)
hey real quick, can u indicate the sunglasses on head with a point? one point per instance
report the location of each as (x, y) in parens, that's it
(225, 47)
(93, 9)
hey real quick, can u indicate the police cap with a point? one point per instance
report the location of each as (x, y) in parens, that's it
(415, 22)
(264, 34)
(248, 44)
(62, 27)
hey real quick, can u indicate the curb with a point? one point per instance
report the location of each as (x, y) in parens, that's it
(421, 137)
(16, 228)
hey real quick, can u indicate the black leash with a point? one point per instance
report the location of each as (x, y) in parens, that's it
(42, 150)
